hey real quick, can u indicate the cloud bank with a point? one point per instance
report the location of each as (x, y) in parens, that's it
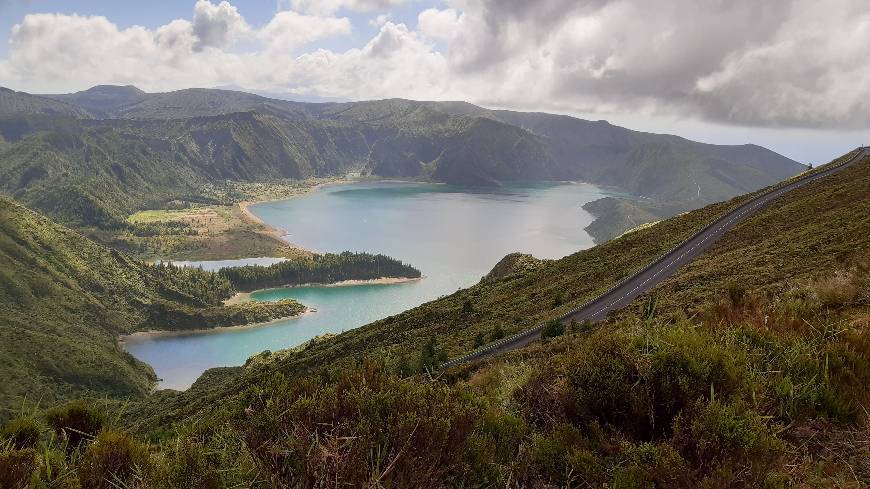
(778, 63)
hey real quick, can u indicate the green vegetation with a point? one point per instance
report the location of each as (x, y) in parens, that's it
(746, 369)
(725, 402)
(614, 216)
(65, 301)
(118, 150)
(318, 269)
(197, 232)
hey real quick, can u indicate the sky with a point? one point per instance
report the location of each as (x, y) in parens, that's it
(791, 75)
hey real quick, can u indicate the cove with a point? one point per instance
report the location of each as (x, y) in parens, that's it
(454, 235)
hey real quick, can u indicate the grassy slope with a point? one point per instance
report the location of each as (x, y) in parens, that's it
(12, 102)
(172, 144)
(550, 288)
(199, 233)
(752, 371)
(65, 299)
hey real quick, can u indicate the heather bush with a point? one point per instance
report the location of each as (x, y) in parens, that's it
(114, 459)
(206, 455)
(727, 438)
(564, 456)
(637, 384)
(552, 329)
(361, 427)
(22, 432)
(76, 421)
(652, 465)
(17, 467)
(680, 365)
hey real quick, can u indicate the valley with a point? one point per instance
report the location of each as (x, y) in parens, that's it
(434, 244)
(118, 150)
(251, 363)
(407, 220)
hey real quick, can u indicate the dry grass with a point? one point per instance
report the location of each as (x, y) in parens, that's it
(215, 232)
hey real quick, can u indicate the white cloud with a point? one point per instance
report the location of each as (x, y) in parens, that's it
(289, 30)
(742, 62)
(60, 53)
(779, 62)
(811, 71)
(217, 25)
(380, 20)
(439, 24)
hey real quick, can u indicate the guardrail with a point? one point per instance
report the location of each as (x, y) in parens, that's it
(531, 333)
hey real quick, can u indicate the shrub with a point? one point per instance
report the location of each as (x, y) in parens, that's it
(565, 457)
(22, 432)
(836, 290)
(736, 293)
(652, 465)
(681, 366)
(17, 468)
(727, 435)
(76, 421)
(578, 327)
(497, 333)
(603, 383)
(358, 428)
(113, 460)
(502, 432)
(431, 356)
(552, 329)
(207, 456)
(542, 399)
(189, 464)
(636, 384)
(798, 378)
(493, 448)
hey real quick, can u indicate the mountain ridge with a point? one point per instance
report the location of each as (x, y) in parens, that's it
(202, 136)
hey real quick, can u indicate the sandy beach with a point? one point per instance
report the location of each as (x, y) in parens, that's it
(246, 296)
(376, 281)
(277, 233)
(238, 298)
(268, 229)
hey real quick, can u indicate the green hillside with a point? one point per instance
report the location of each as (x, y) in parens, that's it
(152, 151)
(66, 299)
(103, 100)
(748, 368)
(20, 103)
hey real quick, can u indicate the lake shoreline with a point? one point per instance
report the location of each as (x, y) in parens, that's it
(155, 333)
(275, 232)
(419, 221)
(246, 296)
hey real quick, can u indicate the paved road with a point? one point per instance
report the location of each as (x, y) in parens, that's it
(626, 291)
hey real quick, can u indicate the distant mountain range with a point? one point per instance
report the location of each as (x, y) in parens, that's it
(92, 157)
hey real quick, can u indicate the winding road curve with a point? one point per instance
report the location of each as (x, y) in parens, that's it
(645, 279)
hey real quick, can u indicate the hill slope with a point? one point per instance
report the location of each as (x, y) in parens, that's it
(65, 301)
(146, 145)
(748, 368)
(103, 100)
(20, 103)
(817, 230)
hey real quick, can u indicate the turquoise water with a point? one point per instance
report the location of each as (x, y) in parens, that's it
(453, 235)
